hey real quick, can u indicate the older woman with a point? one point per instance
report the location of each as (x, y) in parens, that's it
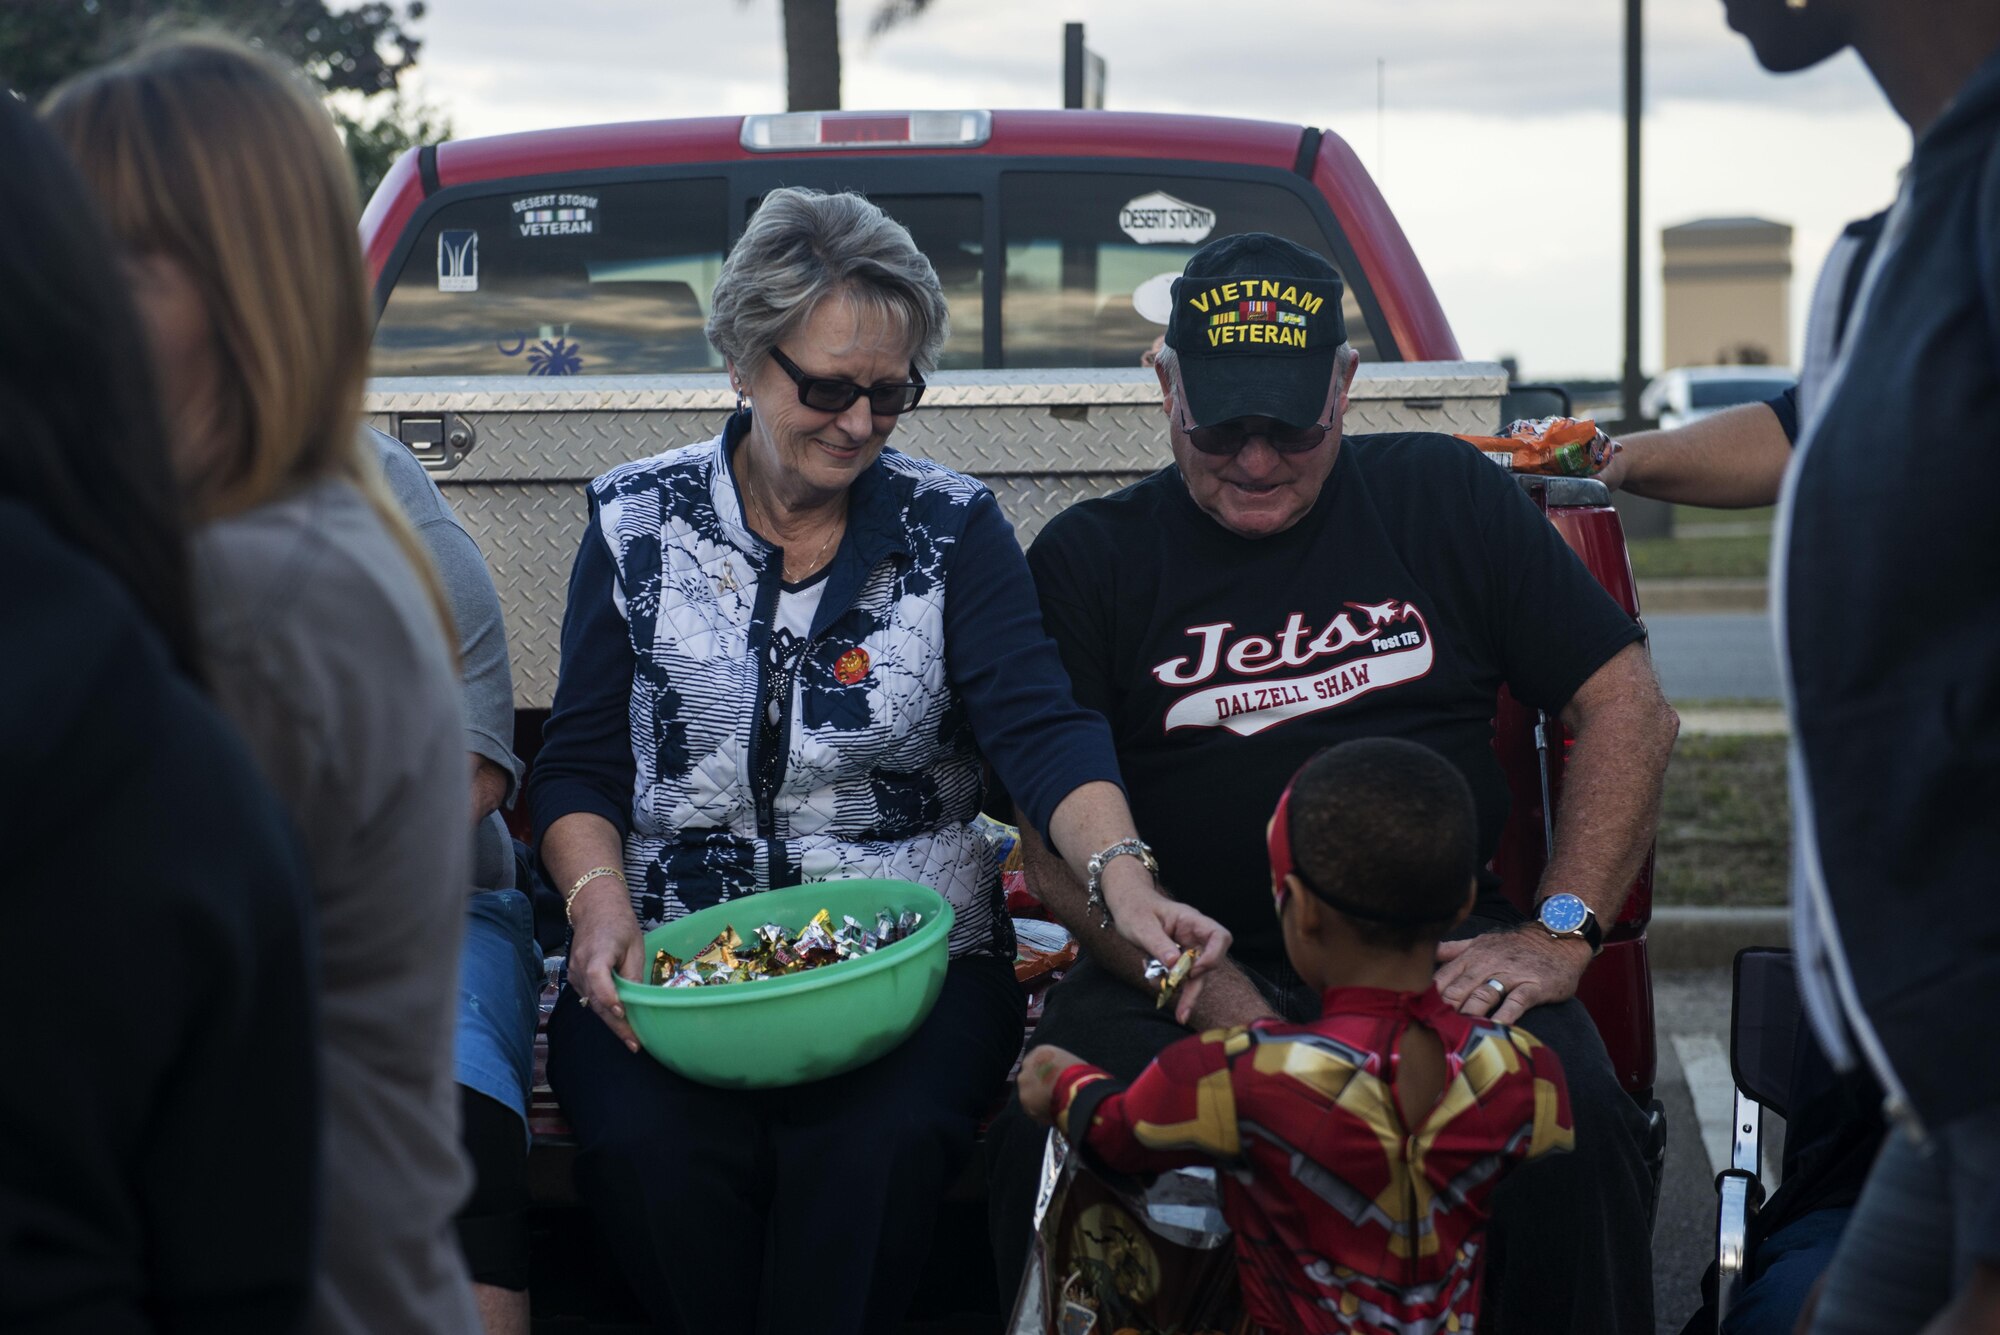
(786, 651)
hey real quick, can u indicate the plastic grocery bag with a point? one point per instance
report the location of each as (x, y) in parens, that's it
(1110, 1259)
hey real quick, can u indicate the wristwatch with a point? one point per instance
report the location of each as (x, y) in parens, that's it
(1567, 917)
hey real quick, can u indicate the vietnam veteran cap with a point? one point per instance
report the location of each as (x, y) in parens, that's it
(1255, 322)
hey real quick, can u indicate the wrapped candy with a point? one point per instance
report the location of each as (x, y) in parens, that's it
(665, 966)
(1169, 978)
(772, 952)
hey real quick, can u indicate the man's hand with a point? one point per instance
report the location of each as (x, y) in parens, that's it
(1533, 966)
(1037, 1081)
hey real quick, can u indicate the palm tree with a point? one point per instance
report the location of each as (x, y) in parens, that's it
(812, 48)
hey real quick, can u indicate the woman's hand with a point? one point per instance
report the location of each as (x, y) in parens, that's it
(1162, 928)
(1037, 1082)
(605, 939)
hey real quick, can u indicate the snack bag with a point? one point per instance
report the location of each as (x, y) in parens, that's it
(1552, 446)
(1041, 949)
(1111, 1259)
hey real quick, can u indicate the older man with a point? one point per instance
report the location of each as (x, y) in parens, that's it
(1281, 589)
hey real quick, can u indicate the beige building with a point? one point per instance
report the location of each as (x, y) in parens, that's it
(1728, 291)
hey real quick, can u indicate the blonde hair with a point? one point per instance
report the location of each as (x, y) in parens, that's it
(206, 150)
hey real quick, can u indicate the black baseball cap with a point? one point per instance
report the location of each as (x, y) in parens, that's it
(1255, 323)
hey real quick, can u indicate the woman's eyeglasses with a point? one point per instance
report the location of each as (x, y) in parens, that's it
(828, 395)
(1230, 437)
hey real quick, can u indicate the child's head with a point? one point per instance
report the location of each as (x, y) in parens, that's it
(1383, 832)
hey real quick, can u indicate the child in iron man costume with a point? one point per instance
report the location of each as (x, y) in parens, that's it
(1359, 1152)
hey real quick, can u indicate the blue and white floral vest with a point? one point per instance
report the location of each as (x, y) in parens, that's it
(881, 774)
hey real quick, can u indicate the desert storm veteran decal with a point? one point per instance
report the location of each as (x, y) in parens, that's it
(1366, 648)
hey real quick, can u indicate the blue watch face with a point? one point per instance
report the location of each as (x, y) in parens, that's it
(1563, 913)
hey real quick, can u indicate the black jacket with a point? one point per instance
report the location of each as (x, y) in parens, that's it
(158, 1134)
(1892, 624)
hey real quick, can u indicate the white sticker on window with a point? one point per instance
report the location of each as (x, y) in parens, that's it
(556, 215)
(1160, 219)
(458, 261)
(1154, 298)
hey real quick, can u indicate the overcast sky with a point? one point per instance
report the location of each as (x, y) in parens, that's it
(1501, 150)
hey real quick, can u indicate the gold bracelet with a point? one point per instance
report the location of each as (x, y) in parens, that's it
(583, 880)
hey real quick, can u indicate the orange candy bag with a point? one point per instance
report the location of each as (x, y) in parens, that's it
(1552, 446)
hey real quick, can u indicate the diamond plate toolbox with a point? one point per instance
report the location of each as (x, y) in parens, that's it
(513, 454)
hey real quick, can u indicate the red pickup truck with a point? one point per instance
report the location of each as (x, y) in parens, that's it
(540, 299)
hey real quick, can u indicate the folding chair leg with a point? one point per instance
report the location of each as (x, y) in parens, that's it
(1739, 1194)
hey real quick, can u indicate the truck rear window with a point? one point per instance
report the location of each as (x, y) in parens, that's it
(1079, 247)
(588, 280)
(616, 279)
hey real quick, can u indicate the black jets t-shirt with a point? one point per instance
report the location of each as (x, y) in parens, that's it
(1421, 581)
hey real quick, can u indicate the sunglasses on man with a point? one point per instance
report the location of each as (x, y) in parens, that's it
(1228, 438)
(827, 394)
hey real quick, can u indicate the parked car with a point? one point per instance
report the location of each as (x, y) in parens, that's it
(1690, 393)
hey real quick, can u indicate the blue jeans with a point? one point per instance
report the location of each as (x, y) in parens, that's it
(499, 986)
(1783, 1271)
(1918, 1230)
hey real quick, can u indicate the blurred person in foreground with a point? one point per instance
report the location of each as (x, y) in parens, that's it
(1389, 1097)
(158, 1115)
(499, 965)
(322, 626)
(1886, 598)
(787, 651)
(1834, 1129)
(1281, 588)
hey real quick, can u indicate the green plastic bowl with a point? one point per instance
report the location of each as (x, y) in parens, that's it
(806, 1026)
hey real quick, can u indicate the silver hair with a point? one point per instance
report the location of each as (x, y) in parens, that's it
(804, 246)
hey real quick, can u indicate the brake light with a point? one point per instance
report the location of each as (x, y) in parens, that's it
(798, 130)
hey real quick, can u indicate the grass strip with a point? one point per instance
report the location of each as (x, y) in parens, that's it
(1725, 824)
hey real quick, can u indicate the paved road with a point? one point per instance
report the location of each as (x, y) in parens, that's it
(1715, 655)
(1692, 1018)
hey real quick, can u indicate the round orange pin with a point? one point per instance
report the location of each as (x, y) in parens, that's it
(851, 666)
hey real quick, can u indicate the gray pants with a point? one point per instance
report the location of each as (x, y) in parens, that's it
(1924, 1219)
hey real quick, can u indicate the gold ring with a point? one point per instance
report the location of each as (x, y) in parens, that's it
(583, 1000)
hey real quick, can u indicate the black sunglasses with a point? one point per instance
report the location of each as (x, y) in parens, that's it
(1230, 437)
(828, 395)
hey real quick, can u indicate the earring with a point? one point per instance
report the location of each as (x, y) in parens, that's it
(741, 401)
